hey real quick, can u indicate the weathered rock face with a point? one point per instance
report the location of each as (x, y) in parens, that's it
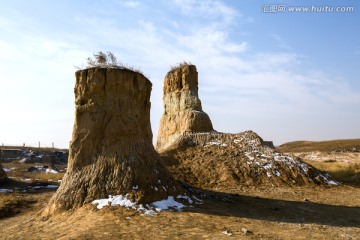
(2, 174)
(182, 107)
(111, 151)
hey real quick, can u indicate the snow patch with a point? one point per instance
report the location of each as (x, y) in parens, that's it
(148, 209)
(167, 203)
(268, 166)
(186, 198)
(118, 200)
(216, 144)
(51, 171)
(8, 169)
(277, 173)
(3, 190)
(332, 182)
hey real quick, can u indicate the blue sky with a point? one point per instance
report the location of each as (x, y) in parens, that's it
(287, 76)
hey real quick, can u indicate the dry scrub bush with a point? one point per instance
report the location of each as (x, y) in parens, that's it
(179, 65)
(107, 60)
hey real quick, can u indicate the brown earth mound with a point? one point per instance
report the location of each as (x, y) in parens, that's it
(182, 107)
(111, 151)
(214, 160)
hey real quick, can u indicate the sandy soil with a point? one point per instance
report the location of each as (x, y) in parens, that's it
(242, 213)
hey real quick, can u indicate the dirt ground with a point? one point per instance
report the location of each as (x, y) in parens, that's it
(261, 212)
(242, 213)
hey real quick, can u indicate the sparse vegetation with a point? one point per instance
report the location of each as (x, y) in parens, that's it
(179, 65)
(108, 60)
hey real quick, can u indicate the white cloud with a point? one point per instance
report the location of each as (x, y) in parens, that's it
(211, 9)
(240, 87)
(131, 4)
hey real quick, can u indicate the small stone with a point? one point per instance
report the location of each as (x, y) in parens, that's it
(227, 232)
(246, 231)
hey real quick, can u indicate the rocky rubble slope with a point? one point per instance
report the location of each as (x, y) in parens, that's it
(218, 159)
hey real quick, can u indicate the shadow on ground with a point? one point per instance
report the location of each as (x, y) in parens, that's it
(306, 212)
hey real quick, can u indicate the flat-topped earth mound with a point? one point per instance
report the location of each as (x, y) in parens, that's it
(211, 160)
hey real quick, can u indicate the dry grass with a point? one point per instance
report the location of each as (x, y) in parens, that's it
(348, 173)
(107, 60)
(13, 204)
(21, 172)
(269, 213)
(310, 146)
(343, 166)
(180, 65)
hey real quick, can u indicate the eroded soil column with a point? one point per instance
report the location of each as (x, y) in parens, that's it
(182, 107)
(111, 151)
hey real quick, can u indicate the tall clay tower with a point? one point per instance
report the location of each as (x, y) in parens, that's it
(182, 107)
(111, 151)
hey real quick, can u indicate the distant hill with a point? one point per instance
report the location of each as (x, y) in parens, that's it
(346, 145)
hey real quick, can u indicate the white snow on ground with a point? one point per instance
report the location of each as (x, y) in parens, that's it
(166, 204)
(47, 186)
(185, 197)
(51, 171)
(3, 190)
(118, 200)
(332, 182)
(216, 143)
(8, 169)
(277, 173)
(148, 209)
(265, 158)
